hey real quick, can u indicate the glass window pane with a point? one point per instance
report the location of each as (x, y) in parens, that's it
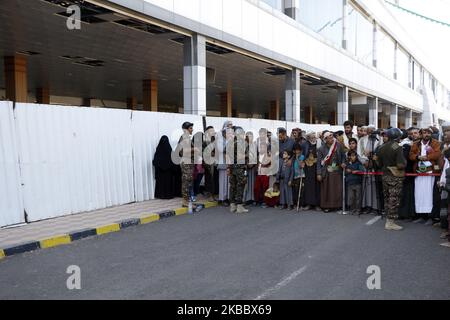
(386, 53)
(360, 35)
(417, 81)
(324, 17)
(402, 66)
(277, 4)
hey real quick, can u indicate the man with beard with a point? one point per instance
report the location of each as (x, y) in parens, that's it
(425, 153)
(330, 163)
(311, 192)
(390, 159)
(407, 208)
(366, 149)
(348, 134)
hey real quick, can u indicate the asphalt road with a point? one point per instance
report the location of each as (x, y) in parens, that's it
(266, 254)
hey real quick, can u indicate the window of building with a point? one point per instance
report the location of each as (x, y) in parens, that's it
(276, 4)
(360, 35)
(403, 66)
(324, 17)
(417, 76)
(386, 53)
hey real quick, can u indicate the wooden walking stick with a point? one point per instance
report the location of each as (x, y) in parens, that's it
(299, 193)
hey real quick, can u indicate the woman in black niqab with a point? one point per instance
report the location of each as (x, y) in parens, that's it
(165, 170)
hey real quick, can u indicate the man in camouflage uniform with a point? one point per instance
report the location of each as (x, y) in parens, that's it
(237, 171)
(392, 163)
(187, 163)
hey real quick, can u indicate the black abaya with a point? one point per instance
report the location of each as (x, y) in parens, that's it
(165, 170)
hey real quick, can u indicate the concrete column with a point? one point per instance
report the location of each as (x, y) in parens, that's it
(292, 9)
(408, 119)
(344, 24)
(16, 83)
(394, 116)
(293, 95)
(194, 75)
(373, 111)
(342, 105)
(43, 95)
(150, 95)
(131, 103)
(375, 45)
(274, 112)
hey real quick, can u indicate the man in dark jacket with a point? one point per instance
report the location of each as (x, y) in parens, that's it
(392, 163)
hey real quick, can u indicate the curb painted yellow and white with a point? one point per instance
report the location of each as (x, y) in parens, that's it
(64, 239)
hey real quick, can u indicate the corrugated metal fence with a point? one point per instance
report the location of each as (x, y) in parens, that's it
(59, 160)
(11, 200)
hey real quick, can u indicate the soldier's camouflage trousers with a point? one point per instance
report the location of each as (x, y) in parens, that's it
(238, 180)
(187, 170)
(392, 189)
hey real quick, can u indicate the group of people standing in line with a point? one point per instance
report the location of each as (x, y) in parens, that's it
(404, 174)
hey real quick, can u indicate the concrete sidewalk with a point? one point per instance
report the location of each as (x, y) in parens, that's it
(63, 230)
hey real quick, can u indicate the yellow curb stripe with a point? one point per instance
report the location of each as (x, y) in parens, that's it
(108, 228)
(211, 204)
(2, 254)
(149, 218)
(181, 211)
(55, 241)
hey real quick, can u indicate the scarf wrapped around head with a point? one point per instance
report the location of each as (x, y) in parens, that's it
(329, 156)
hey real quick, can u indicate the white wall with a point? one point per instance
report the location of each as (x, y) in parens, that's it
(73, 159)
(11, 205)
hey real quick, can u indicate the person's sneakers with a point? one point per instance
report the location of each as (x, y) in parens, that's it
(263, 205)
(436, 224)
(281, 207)
(233, 208)
(326, 210)
(390, 225)
(429, 222)
(241, 209)
(444, 235)
(306, 208)
(226, 203)
(445, 244)
(290, 208)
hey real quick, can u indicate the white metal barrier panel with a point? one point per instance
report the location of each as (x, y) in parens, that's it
(11, 204)
(74, 159)
(148, 128)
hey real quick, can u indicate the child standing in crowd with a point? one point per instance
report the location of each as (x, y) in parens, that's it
(354, 182)
(284, 178)
(298, 165)
(272, 196)
(262, 179)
